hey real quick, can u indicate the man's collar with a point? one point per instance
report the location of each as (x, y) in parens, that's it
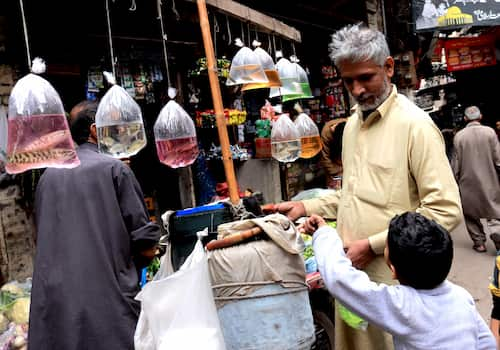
(381, 110)
(473, 123)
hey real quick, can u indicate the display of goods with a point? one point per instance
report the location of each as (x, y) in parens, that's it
(206, 119)
(121, 141)
(177, 153)
(38, 132)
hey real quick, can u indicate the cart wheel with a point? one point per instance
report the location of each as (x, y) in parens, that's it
(324, 331)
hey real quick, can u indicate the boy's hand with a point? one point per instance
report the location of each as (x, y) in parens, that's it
(312, 224)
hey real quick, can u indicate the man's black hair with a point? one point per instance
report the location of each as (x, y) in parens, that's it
(420, 250)
(80, 125)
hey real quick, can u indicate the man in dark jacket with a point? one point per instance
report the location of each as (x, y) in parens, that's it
(93, 230)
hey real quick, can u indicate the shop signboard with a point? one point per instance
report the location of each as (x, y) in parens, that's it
(449, 14)
(469, 53)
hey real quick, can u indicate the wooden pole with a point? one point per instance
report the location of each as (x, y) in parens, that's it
(217, 100)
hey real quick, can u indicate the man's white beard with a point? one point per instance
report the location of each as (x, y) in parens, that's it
(378, 100)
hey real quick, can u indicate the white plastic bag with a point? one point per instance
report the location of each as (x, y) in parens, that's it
(310, 139)
(38, 134)
(179, 309)
(245, 67)
(120, 129)
(285, 140)
(175, 136)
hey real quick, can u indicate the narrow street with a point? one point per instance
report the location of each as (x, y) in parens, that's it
(473, 270)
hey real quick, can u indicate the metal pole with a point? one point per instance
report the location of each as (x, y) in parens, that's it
(217, 100)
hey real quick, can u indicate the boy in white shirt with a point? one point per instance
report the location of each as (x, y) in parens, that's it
(425, 311)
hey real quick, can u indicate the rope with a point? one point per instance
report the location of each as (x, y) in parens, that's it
(25, 28)
(216, 30)
(287, 290)
(174, 10)
(113, 62)
(239, 212)
(164, 42)
(293, 49)
(228, 30)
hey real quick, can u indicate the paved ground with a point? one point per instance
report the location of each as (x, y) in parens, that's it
(473, 270)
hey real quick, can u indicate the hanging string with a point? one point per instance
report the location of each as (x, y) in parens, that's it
(269, 48)
(174, 10)
(293, 49)
(228, 30)
(110, 40)
(249, 36)
(274, 44)
(164, 41)
(216, 30)
(242, 33)
(25, 28)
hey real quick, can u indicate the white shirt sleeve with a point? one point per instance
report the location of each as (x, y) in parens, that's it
(380, 304)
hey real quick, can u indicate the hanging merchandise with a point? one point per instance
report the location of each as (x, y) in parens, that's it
(38, 132)
(289, 77)
(285, 140)
(120, 129)
(309, 136)
(245, 67)
(175, 136)
(269, 69)
(302, 81)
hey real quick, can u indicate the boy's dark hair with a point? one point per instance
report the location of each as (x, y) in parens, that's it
(80, 125)
(420, 250)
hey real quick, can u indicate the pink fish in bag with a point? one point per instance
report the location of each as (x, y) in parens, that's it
(38, 132)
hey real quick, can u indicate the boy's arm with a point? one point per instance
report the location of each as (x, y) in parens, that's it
(485, 339)
(379, 304)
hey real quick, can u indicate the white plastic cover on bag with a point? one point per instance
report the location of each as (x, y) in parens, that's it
(120, 129)
(246, 68)
(175, 136)
(285, 140)
(178, 310)
(38, 134)
(310, 139)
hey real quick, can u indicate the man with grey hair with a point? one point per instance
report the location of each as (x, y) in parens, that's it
(475, 163)
(393, 160)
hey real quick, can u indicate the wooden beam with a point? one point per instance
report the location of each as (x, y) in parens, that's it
(264, 22)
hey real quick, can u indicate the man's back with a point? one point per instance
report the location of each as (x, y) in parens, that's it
(88, 219)
(476, 156)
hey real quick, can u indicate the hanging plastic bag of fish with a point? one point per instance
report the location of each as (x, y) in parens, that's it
(175, 136)
(38, 132)
(285, 140)
(245, 67)
(120, 129)
(310, 139)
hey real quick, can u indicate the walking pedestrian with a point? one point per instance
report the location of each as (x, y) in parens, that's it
(475, 163)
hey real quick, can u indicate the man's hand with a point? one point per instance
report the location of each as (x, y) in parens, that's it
(313, 223)
(360, 253)
(150, 253)
(293, 210)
